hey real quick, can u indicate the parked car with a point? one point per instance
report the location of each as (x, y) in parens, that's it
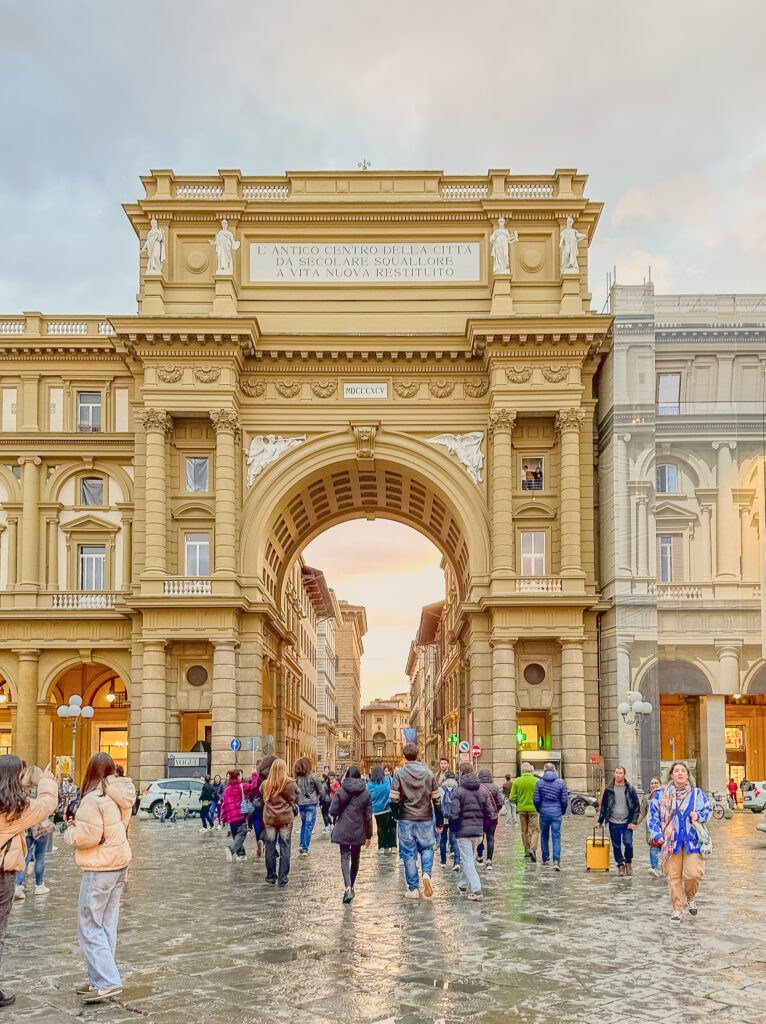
(183, 793)
(754, 798)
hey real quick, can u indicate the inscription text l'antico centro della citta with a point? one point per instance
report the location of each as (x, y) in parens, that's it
(364, 261)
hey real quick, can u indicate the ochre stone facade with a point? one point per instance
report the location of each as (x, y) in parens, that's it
(385, 330)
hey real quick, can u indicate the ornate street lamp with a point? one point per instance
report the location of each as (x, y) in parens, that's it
(635, 711)
(72, 714)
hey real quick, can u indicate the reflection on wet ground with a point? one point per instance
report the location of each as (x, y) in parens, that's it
(205, 942)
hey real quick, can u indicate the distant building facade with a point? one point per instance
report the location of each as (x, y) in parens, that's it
(382, 737)
(349, 648)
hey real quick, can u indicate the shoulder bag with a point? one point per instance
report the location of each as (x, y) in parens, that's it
(246, 806)
(703, 836)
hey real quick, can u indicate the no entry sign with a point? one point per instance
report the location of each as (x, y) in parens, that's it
(476, 750)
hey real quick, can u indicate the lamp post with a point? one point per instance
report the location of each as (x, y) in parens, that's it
(634, 711)
(74, 712)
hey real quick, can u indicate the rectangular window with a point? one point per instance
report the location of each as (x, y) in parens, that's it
(92, 490)
(533, 554)
(670, 558)
(89, 411)
(668, 394)
(532, 474)
(92, 562)
(196, 474)
(667, 480)
(197, 554)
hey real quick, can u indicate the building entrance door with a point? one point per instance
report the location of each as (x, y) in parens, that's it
(533, 734)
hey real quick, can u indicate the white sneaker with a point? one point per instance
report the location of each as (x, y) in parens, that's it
(693, 908)
(475, 896)
(675, 917)
(412, 894)
(19, 894)
(488, 865)
(653, 872)
(428, 889)
(41, 890)
(203, 829)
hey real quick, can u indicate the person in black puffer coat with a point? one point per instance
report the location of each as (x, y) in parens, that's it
(471, 807)
(486, 780)
(351, 808)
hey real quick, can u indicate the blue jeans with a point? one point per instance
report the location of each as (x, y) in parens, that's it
(548, 825)
(308, 819)
(35, 851)
(622, 843)
(416, 837)
(449, 834)
(97, 913)
(654, 857)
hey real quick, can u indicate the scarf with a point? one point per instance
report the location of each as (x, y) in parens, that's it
(671, 809)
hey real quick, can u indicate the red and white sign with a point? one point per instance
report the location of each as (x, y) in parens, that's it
(475, 750)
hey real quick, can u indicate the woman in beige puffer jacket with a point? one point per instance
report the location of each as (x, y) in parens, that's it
(99, 836)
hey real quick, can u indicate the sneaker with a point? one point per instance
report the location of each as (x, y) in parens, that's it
(480, 860)
(98, 995)
(228, 855)
(621, 869)
(456, 867)
(532, 856)
(654, 873)
(82, 990)
(475, 896)
(462, 888)
(444, 866)
(283, 882)
(675, 917)
(489, 865)
(241, 858)
(348, 895)
(628, 869)
(556, 865)
(303, 853)
(693, 908)
(546, 863)
(41, 890)
(412, 894)
(428, 889)
(327, 829)
(6, 998)
(271, 881)
(19, 894)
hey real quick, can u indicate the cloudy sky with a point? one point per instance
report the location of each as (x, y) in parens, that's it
(660, 102)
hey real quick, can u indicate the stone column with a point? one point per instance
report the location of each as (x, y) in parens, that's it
(157, 424)
(127, 552)
(503, 758)
(154, 712)
(621, 504)
(224, 704)
(713, 742)
(568, 423)
(727, 515)
(13, 551)
(643, 535)
(480, 661)
(53, 553)
(227, 432)
(706, 546)
(30, 524)
(25, 737)
(501, 422)
(573, 745)
(728, 652)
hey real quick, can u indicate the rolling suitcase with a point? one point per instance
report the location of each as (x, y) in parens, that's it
(597, 851)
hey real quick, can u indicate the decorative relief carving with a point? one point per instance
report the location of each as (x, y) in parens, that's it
(170, 374)
(156, 419)
(365, 441)
(467, 450)
(441, 388)
(264, 449)
(475, 388)
(569, 419)
(207, 374)
(555, 373)
(406, 388)
(251, 387)
(324, 389)
(501, 419)
(288, 389)
(225, 420)
(518, 374)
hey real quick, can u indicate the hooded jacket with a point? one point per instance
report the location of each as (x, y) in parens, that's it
(486, 780)
(471, 806)
(352, 808)
(98, 834)
(414, 793)
(38, 810)
(310, 789)
(607, 804)
(381, 795)
(550, 797)
(450, 785)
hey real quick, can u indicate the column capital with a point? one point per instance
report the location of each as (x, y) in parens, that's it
(33, 460)
(500, 642)
(156, 419)
(501, 419)
(569, 419)
(728, 647)
(226, 643)
(625, 644)
(571, 643)
(718, 445)
(151, 643)
(225, 421)
(28, 654)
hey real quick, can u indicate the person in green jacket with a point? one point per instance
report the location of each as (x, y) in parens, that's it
(521, 795)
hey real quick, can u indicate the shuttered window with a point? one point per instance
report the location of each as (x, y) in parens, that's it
(670, 557)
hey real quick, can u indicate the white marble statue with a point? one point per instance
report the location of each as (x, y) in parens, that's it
(568, 245)
(466, 448)
(500, 240)
(264, 449)
(225, 247)
(154, 247)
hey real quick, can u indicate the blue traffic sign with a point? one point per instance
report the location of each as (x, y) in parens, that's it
(235, 744)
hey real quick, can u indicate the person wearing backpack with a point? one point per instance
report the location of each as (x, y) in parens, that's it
(310, 791)
(379, 788)
(236, 807)
(470, 809)
(490, 825)
(352, 809)
(447, 786)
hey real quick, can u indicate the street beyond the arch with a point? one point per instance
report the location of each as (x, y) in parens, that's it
(202, 941)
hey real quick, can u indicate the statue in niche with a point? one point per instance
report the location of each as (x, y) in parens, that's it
(568, 245)
(466, 448)
(501, 239)
(225, 247)
(264, 449)
(154, 247)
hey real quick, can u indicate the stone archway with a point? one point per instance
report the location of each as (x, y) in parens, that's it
(666, 677)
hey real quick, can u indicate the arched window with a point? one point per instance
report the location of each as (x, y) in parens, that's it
(667, 479)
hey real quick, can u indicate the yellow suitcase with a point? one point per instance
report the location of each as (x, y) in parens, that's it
(597, 851)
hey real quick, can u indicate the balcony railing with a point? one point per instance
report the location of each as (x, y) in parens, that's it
(72, 599)
(185, 586)
(678, 592)
(538, 585)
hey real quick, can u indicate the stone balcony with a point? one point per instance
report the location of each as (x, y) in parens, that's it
(538, 585)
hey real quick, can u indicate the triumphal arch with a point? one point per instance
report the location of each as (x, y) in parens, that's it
(307, 349)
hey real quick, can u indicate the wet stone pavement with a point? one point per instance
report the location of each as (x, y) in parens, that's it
(203, 942)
